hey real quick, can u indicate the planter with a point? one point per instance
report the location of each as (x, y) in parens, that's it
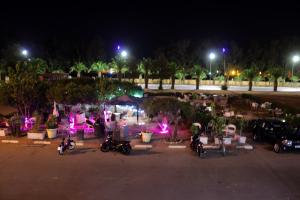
(3, 132)
(204, 139)
(36, 135)
(51, 133)
(146, 137)
(242, 140)
(227, 141)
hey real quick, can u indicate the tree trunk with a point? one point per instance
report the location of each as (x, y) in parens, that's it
(160, 84)
(197, 83)
(275, 84)
(133, 79)
(78, 74)
(119, 75)
(146, 81)
(99, 74)
(174, 137)
(250, 85)
(172, 82)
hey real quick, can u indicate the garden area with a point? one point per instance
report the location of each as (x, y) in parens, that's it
(92, 107)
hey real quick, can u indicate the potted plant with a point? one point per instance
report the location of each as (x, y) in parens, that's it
(218, 126)
(15, 125)
(51, 126)
(146, 136)
(241, 124)
(36, 132)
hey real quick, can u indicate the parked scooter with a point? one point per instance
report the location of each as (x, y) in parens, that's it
(120, 146)
(70, 144)
(197, 145)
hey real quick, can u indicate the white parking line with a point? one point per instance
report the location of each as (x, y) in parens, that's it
(10, 141)
(177, 146)
(79, 143)
(41, 142)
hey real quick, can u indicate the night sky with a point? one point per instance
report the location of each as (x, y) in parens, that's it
(143, 26)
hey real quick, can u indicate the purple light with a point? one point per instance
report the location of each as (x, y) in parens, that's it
(223, 50)
(164, 128)
(118, 47)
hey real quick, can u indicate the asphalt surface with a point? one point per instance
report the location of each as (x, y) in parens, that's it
(37, 172)
(230, 88)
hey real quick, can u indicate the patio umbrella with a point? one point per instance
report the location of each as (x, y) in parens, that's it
(126, 100)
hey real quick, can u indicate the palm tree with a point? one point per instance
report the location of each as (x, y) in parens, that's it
(173, 68)
(144, 67)
(99, 67)
(118, 65)
(250, 75)
(78, 67)
(276, 72)
(199, 73)
(161, 68)
(180, 74)
(133, 68)
(41, 65)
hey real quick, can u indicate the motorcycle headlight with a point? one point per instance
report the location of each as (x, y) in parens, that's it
(287, 142)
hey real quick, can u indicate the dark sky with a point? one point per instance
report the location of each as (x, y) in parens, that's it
(144, 25)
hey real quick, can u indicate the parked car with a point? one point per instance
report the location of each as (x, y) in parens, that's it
(277, 132)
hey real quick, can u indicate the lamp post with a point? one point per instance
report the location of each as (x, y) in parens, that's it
(211, 56)
(295, 59)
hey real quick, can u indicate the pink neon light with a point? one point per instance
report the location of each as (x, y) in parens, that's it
(164, 128)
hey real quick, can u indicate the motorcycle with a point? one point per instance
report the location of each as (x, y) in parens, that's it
(70, 144)
(120, 146)
(197, 145)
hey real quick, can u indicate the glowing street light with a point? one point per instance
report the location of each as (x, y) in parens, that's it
(24, 52)
(211, 56)
(295, 59)
(124, 54)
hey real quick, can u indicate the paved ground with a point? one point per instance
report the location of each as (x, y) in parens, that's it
(37, 172)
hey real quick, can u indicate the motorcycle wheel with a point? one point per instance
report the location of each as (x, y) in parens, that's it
(72, 145)
(126, 150)
(60, 150)
(104, 148)
(223, 150)
(200, 152)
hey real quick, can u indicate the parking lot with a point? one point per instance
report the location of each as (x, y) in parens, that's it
(37, 172)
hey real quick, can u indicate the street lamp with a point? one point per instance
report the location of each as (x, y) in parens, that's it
(295, 59)
(24, 52)
(211, 56)
(124, 54)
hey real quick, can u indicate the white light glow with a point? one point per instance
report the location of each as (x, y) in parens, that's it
(212, 56)
(296, 58)
(124, 54)
(24, 52)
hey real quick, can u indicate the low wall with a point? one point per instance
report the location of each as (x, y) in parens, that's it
(211, 82)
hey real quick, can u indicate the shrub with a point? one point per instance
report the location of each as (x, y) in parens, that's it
(51, 122)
